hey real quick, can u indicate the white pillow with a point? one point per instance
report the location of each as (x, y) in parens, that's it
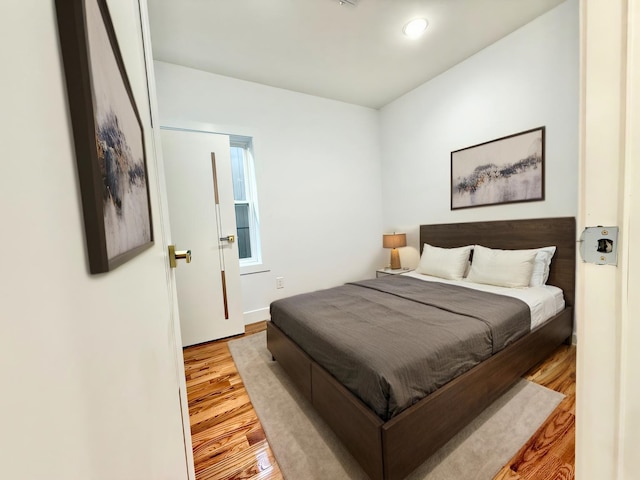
(505, 268)
(449, 263)
(541, 265)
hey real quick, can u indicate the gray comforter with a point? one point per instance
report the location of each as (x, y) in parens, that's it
(394, 340)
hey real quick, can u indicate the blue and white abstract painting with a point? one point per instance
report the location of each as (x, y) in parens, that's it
(507, 170)
(119, 143)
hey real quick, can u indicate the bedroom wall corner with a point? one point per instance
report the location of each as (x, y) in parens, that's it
(318, 177)
(526, 80)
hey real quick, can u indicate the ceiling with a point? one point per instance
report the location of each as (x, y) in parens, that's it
(356, 54)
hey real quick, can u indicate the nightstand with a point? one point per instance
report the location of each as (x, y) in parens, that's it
(381, 272)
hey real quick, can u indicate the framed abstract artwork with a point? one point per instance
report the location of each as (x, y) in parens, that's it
(108, 136)
(506, 170)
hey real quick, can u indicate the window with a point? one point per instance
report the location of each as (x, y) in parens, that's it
(245, 198)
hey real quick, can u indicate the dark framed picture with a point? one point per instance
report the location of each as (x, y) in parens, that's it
(506, 170)
(108, 136)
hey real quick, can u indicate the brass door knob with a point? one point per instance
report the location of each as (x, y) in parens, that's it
(228, 238)
(178, 255)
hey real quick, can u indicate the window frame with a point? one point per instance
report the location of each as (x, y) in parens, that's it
(246, 144)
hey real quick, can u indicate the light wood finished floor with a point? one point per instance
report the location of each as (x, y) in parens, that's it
(229, 443)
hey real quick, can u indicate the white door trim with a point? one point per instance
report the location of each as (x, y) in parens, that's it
(174, 334)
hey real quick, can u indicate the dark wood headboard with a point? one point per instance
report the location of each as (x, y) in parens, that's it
(516, 234)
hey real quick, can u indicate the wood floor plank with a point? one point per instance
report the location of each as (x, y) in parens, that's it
(507, 474)
(548, 441)
(243, 427)
(229, 442)
(238, 421)
(257, 463)
(223, 419)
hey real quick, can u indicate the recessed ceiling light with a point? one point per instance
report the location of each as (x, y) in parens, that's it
(415, 27)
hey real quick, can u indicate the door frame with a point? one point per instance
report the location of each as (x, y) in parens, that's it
(165, 238)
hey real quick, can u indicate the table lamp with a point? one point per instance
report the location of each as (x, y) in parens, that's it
(394, 241)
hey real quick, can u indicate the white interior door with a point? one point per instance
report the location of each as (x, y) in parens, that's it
(201, 207)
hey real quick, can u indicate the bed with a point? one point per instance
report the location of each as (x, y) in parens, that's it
(389, 446)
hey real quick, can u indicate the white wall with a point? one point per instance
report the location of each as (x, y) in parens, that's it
(526, 80)
(87, 363)
(318, 177)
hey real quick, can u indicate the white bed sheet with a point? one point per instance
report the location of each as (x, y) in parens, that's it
(544, 301)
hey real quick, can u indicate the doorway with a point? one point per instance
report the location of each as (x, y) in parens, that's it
(201, 209)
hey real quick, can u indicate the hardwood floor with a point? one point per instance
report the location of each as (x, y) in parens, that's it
(229, 442)
(550, 452)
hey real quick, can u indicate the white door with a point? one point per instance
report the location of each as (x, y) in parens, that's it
(200, 195)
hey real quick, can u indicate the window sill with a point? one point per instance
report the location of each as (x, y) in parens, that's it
(253, 268)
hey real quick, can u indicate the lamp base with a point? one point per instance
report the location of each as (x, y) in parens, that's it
(395, 259)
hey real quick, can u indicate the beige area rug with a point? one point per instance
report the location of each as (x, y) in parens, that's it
(306, 449)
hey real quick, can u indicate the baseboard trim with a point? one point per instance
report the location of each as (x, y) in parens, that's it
(255, 316)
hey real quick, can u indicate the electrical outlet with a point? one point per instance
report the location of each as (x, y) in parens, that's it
(279, 282)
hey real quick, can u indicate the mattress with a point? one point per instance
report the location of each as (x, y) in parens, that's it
(394, 340)
(544, 302)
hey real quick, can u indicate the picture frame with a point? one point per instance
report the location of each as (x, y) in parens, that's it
(505, 170)
(108, 136)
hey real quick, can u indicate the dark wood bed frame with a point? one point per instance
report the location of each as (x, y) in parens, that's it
(393, 449)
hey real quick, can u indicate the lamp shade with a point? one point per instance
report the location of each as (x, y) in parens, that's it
(394, 240)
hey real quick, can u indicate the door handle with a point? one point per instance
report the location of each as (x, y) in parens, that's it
(175, 255)
(228, 238)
